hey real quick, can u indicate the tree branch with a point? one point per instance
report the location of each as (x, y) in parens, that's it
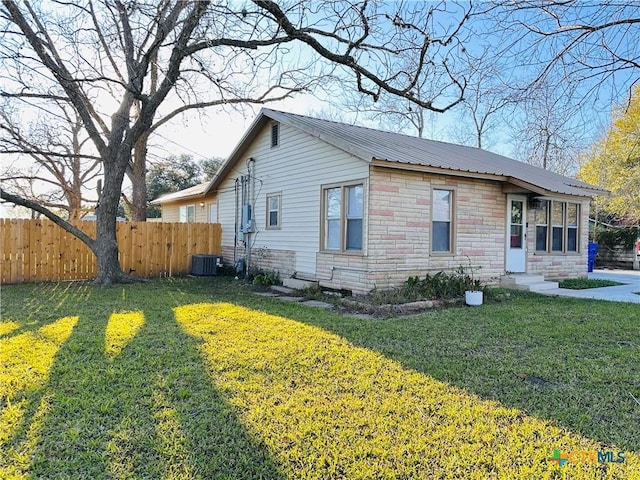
(59, 71)
(361, 72)
(231, 101)
(72, 229)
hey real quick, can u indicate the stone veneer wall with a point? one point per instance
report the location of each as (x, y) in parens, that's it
(558, 266)
(399, 230)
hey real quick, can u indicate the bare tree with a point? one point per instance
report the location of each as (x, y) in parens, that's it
(413, 114)
(594, 44)
(487, 96)
(154, 57)
(547, 130)
(55, 146)
(395, 113)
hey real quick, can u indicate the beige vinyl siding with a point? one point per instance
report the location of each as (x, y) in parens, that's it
(297, 167)
(171, 211)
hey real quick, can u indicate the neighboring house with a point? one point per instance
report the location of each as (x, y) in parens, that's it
(355, 208)
(190, 205)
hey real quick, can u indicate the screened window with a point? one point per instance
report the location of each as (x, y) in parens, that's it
(343, 214)
(572, 227)
(542, 226)
(441, 221)
(273, 210)
(557, 225)
(188, 213)
(275, 134)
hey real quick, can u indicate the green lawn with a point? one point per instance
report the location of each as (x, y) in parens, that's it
(199, 378)
(584, 283)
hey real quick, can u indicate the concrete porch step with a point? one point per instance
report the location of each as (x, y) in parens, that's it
(513, 280)
(298, 284)
(542, 286)
(282, 289)
(528, 283)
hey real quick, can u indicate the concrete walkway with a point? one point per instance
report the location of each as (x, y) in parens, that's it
(619, 293)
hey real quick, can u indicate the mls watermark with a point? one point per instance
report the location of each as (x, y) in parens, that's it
(586, 456)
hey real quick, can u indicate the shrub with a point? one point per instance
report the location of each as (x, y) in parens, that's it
(439, 286)
(266, 278)
(442, 285)
(624, 237)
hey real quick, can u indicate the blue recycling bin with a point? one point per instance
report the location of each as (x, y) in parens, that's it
(593, 251)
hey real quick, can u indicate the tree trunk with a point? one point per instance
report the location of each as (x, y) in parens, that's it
(106, 244)
(138, 177)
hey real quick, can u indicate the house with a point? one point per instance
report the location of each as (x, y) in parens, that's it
(355, 208)
(192, 204)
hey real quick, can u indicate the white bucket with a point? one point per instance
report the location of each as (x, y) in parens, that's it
(473, 297)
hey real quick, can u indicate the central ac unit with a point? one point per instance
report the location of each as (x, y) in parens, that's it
(205, 265)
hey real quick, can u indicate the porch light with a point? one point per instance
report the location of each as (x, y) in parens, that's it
(535, 203)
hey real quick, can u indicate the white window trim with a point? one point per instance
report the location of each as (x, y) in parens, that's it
(269, 196)
(209, 216)
(452, 221)
(186, 213)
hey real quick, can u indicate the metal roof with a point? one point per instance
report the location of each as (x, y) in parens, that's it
(404, 151)
(191, 192)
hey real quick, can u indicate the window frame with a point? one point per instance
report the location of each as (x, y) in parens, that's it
(452, 221)
(209, 216)
(544, 225)
(552, 224)
(555, 225)
(278, 225)
(575, 227)
(187, 207)
(343, 218)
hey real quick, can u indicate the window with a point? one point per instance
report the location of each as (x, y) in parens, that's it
(557, 226)
(354, 217)
(542, 227)
(187, 213)
(275, 135)
(572, 227)
(273, 210)
(343, 214)
(442, 213)
(213, 213)
(517, 209)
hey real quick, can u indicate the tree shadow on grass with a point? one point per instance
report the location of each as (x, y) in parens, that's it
(150, 411)
(494, 350)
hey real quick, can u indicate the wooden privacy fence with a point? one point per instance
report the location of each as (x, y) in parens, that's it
(39, 250)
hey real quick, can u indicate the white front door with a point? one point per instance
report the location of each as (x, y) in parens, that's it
(516, 234)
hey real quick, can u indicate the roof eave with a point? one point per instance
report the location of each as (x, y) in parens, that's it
(376, 162)
(241, 147)
(161, 201)
(548, 192)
